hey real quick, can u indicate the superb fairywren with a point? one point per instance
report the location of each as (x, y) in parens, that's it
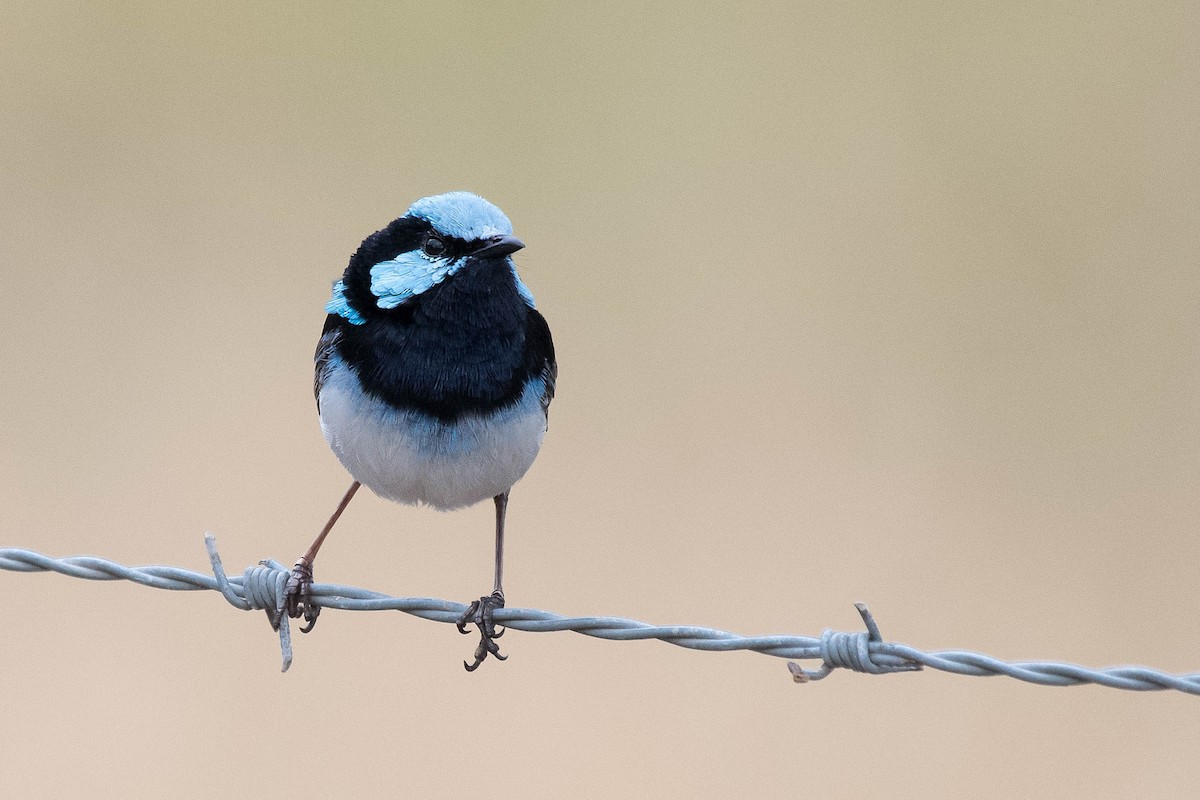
(434, 375)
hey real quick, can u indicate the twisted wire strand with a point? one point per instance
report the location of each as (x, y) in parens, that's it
(261, 588)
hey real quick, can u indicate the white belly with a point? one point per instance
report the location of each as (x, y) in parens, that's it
(410, 457)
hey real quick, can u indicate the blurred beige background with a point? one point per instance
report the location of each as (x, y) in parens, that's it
(895, 303)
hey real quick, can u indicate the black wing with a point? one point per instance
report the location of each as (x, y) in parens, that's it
(539, 355)
(326, 348)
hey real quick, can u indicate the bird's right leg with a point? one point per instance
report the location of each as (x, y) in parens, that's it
(298, 593)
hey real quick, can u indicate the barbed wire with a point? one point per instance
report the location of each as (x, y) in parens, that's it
(261, 587)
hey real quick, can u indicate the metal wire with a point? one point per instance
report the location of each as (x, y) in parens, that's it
(261, 587)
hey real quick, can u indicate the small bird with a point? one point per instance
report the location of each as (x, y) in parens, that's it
(434, 375)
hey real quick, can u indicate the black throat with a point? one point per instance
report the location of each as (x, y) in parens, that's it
(457, 348)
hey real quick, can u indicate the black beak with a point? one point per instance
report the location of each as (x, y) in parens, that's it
(497, 246)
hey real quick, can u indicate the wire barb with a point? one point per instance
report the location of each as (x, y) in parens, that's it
(853, 651)
(263, 588)
(260, 588)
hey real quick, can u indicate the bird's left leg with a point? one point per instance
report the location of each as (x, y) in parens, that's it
(297, 594)
(480, 611)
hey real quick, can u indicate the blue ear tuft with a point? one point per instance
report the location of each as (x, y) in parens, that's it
(407, 275)
(462, 215)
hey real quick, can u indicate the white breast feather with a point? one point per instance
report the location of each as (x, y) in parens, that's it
(410, 457)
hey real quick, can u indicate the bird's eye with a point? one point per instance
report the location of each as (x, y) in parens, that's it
(433, 246)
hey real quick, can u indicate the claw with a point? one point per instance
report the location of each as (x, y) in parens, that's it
(481, 652)
(297, 600)
(479, 614)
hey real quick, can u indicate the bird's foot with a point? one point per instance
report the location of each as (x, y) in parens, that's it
(479, 614)
(297, 597)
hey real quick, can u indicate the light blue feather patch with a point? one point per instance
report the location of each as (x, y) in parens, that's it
(409, 274)
(462, 215)
(340, 306)
(522, 289)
